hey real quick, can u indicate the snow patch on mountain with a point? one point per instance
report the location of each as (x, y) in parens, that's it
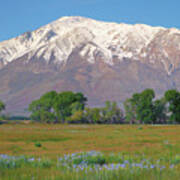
(58, 39)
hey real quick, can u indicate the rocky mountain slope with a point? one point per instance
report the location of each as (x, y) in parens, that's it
(106, 61)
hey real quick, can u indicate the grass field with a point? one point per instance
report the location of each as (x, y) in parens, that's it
(49, 142)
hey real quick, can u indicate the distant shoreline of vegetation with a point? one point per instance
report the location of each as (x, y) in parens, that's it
(70, 107)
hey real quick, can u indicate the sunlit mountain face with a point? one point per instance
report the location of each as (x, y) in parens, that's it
(105, 61)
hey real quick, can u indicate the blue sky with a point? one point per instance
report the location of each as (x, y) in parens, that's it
(19, 16)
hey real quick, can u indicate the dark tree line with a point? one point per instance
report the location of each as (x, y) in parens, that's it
(57, 107)
(141, 108)
(70, 107)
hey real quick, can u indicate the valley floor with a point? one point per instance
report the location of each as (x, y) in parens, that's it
(134, 142)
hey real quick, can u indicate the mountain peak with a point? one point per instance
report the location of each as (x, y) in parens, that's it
(106, 61)
(61, 37)
(72, 18)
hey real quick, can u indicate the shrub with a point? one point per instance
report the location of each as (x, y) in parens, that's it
(38, 144)
(77, 117)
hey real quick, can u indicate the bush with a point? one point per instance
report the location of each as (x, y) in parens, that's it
(38, 144)
(77, 117)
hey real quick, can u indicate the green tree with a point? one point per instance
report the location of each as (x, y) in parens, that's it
(67, 103)
(93, 115)
(145, 108)
(111, 113)
(54, 107)
(88, 115)
(77, 117)
(173, 99)
(130, 111)
(2, 108)
(96, 116)
(140, 107)
(160, 111)
(42, 109)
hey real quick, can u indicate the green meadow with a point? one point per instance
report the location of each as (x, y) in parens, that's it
(42, 151)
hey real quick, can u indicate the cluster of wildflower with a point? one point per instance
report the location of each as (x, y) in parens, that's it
(112, 167)
(7, 161)
(90, 161)
(80, 157)
(94, 161)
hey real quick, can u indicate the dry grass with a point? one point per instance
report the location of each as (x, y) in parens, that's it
(20, 139)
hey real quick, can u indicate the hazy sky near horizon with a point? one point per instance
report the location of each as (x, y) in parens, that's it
(19, 16)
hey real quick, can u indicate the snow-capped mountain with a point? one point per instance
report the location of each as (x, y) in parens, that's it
(104, 60)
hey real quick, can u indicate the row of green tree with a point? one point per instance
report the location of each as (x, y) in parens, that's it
(141, 108)
(70, 107)
(144, 108)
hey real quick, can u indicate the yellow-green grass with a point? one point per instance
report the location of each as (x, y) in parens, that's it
(56, 174)
(56, 140)
(52, 141)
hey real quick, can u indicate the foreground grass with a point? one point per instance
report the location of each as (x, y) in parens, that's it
(53, 141)
(54, 174)
(90, 166)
